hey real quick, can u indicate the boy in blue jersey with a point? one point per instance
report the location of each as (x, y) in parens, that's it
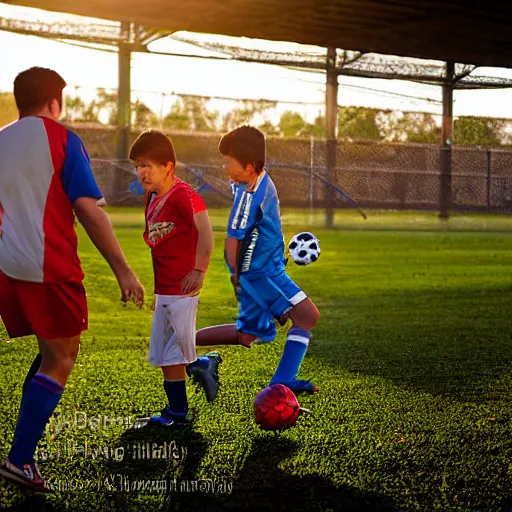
(254, 253)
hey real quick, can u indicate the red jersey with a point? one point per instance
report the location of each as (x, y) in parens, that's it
(172, 235)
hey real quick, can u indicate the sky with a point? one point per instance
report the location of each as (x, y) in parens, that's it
(152, 75)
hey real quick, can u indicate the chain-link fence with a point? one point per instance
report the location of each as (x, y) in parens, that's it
(392, 176)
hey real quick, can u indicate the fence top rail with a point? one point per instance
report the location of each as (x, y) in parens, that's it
(307, 169)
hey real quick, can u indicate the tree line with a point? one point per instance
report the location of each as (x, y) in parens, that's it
(191, 113)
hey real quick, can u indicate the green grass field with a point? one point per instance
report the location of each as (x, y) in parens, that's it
(413, 354)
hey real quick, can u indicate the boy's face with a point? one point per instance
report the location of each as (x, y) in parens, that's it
(237, 172)
(153, 176)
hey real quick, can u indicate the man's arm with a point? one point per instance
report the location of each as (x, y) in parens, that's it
(99, 228)
(205, 244)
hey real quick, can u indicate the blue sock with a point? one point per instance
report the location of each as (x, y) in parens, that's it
(297, 342)
(177, 395)
(37, 405)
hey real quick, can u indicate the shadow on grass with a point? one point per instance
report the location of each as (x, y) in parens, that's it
(262, 485)
(456, 343)
(150, 456)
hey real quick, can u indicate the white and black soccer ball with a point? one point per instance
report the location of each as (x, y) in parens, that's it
(304, 248)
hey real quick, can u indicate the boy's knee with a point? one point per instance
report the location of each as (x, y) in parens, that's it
(305, 315)
(315, 316)
(246, 340)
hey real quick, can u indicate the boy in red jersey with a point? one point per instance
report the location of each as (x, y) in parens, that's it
(180, 236)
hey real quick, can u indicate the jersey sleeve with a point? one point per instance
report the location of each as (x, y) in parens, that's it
(188, 203)
(77, 176)
(198, 205)
(243, 214)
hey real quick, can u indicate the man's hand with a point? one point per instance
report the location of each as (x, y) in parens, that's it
(99, 228)
(193, 282)
(131, 289)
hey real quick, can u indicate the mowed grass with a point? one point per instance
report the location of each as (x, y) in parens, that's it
(413, 355)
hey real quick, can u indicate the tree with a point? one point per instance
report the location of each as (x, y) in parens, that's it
(108, 101)
(269, 129)
(291, 124)
(142, 115)
(77, 111)
(191, 113)
(422, 128)
(481, 131)
(315, 129)
(8, 110)
(416, 127)
(245, 113)
(358, 123)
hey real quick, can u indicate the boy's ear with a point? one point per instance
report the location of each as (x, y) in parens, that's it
(170, 167)
(250, 168)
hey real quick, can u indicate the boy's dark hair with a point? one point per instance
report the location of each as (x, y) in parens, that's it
(155, 146)
(35, 88)
(245, 144)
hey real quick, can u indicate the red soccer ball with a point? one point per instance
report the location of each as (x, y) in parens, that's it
(276, 408)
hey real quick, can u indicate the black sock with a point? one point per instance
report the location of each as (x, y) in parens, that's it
(177, 395)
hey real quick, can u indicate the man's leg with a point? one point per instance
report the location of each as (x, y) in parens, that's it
(41, 397)
(34, 368)
(15, 320)
(56, 313)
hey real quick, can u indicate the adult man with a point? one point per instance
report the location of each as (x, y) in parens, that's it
(45, 175)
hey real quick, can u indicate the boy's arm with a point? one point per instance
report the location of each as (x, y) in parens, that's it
(205, 240)
(231, 248)
(244, 214)
(99, 228)
(205, 244)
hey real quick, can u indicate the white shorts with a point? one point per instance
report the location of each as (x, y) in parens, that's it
(173, 333)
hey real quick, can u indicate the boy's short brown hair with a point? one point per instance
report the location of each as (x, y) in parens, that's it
(245, 144)
(155, 146)
(35, 88)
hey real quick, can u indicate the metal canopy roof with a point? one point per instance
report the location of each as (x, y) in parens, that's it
(474, 32)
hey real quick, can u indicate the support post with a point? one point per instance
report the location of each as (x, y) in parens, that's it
(489, 179)
(311, 178)
(331, 116)
(124, 93)
(445, 160)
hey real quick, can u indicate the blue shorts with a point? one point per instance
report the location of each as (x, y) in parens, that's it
(262, 299)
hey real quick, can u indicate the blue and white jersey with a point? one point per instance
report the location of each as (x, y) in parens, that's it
(255, 219)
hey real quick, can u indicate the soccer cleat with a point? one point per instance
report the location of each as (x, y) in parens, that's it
(166, 418)
(215, 360)
(28, 476)
(298, 386)
(205, 371)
